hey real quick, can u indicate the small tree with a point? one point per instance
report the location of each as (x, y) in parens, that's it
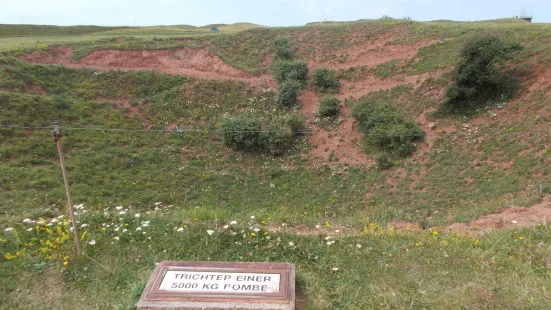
(241, 132)
(329, 107)
(478, 79)
(282, 49)
(288, 91)
(275, 139)
(285, 70)
(325, 80)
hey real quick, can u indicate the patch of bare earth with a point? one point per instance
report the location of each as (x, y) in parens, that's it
(344, 142)
(509, 218)
(195, 62)
(370, 53)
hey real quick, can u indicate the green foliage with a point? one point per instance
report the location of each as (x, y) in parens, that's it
(275, 139)
(296, 122)
(386, 127)
(478, 80)
(286, 70)
(325, 80)
(329, 107)
(241, 132)
(384, 161)
(282, 49)
(288, 91)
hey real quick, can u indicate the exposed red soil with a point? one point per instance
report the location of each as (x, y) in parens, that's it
(369, 54)
(344, 142)
(195, 62)
(510, 218)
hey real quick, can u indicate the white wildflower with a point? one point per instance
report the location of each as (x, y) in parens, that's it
(226, 226)
(124, 230)
(27, 221)
(210, 232)
(328, 237)
(138, 228)
(8, 229)
(137, 215)
(291, 243)
(358, 246)
(92, 242)
(83, 225)
(157, 203)
(122, 212)
(514, 222)
(233, 233)
(180, 229)
(117, 238)
(118, 208)
(256, 230)
(252, 217)
(30, 229)
(60, 217)
(335, 269)
(317, 226)
(233, 223)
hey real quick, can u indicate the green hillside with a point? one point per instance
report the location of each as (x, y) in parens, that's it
(142, 113)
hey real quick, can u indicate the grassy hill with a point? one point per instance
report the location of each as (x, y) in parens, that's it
(141, 112)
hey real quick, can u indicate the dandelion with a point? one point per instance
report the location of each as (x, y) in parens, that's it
(233, 223)
(103, 228)
(265, 233)
(137, 215)
(263, 222)
(180, 229)
(92, 242)
(435, 233)
(253, 235)
(291, 243)
(118, 208)
(521, 238)
(65, 263)
(210, 232)
(8, 229)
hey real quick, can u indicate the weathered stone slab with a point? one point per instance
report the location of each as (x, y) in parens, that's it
(220, 286)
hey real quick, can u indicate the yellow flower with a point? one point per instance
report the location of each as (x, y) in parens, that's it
(521, 238)
(83, 235)
(476, 242)
(390, 254)
(327, 224)
(407, 227)
(444, 243)
(417, 244)
(265, 233)
(263, 222)
(435, 233)
(493, 262)
(103, 228)
(196, 219)
(253, 234)
(126, 225)
(305, 213)
(269, 219)
(65, 263)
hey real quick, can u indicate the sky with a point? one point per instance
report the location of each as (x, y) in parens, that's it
(264, 12)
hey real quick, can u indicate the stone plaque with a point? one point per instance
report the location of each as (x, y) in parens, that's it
(220, 285)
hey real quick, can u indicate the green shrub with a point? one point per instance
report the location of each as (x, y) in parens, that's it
(275, 139)
(282, 49)
(241, 132)
(288, 92)
(386, 128)
(329, 107)
(477, 78)
(384, 161)
(285, 70)
(296, 123)
(325, 80)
